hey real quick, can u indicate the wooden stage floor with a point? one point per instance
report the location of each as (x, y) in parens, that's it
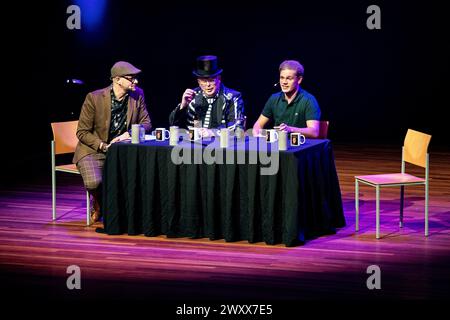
(35, 252)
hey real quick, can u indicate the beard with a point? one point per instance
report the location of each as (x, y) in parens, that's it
(128, 88)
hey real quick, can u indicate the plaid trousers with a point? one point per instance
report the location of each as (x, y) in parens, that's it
(91, 168)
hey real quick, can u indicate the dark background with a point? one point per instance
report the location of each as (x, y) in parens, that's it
(371, 84)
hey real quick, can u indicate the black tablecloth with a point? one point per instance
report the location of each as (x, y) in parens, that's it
(145, 192)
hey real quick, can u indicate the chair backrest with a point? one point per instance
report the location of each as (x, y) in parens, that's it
(323, 129)
(415, 148)
(65, 136)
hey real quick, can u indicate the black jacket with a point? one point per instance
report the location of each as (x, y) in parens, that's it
(229, 106)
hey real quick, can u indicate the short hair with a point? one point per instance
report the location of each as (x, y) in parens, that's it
(293, 65)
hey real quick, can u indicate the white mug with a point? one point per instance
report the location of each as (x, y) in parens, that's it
(282, 140)
(271, 135)
(224, 135)
(160, 134)
(174, 135)
(137, 133)
(297, 139)
(194, 134)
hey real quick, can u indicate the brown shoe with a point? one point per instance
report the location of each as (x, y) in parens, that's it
(95, 216)
(95, 212)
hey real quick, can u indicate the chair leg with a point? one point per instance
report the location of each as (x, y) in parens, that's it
(426, 210)
(88, 208)
(378, 212)
(356, 205)
(402, 195)
(53, 196)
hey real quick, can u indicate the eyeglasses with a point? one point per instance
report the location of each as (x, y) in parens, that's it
(131, 79)
(206, 81)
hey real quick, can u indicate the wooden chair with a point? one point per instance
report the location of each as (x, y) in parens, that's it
(65, 141)
(323, 129)
(414, 151)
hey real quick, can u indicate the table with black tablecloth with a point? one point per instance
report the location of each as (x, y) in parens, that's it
(146, 191)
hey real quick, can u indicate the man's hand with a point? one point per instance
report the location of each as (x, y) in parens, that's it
(122, 137)
(257, 132)
(188, 95)
(206, 133)
(259, 125)
(104, 147)
(284, 127)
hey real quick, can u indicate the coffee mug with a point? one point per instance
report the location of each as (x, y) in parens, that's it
(160, 134)
(282, 140)
(224, 135)
(174, 135)
(137, 133)
(297, 139)
(194, 134)
(239, 133)
(271, 135)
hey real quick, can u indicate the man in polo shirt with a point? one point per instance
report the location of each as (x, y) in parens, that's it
(106, 116)
(293, 109)
(211, 104)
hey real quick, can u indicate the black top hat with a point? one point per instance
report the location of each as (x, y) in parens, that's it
(207, 67)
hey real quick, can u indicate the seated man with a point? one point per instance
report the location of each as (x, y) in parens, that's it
(211, 105)
(106, 117)
(293, 109)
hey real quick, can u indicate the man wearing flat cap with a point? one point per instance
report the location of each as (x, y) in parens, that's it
(212, 104)
(106, 117)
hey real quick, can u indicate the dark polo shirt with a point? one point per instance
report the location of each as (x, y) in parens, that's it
(304, 107)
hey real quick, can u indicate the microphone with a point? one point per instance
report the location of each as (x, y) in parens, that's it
(276, 84)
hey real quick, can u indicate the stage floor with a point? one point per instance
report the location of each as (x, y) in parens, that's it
(36, 252)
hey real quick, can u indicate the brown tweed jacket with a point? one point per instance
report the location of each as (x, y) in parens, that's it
(95, 119)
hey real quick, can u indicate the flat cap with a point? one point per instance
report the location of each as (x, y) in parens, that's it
(123, 68)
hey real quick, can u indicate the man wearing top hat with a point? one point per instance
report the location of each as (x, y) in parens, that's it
(213, 104)
(106, 117)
